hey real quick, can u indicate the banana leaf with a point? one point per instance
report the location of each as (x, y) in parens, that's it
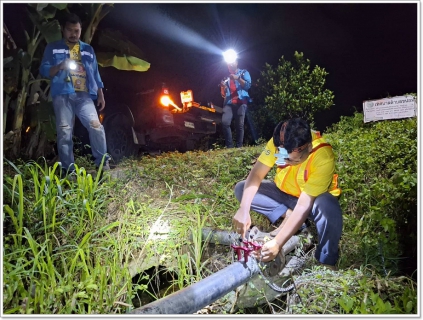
(122, 62)
(51, 30)
(44, 10)
(43, 113)
(118, 42)
(59, 6)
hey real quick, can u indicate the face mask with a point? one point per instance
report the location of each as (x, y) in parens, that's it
(280, 156)
(232, 69)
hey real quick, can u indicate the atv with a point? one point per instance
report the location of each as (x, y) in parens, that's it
(152, 121)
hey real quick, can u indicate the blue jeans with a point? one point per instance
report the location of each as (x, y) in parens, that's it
(229, 111)
(65, 108)
(326, 214)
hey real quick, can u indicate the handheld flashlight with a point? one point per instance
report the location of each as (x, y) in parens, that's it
(72, 65)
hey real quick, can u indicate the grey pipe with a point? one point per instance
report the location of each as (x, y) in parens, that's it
(208, 290)
(217, 236)
(204, 292)
(222, 237)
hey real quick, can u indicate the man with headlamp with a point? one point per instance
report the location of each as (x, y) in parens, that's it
(305, 187)
(234, 91)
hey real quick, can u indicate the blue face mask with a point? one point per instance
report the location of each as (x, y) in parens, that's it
(280, 156)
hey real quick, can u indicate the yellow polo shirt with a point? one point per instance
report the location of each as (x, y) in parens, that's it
(314, 176)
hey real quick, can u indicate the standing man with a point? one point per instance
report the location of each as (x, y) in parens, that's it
(234, 91)
(75, 82)
(305, 187)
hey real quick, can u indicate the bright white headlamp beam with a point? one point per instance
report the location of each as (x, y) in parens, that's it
(230, 56)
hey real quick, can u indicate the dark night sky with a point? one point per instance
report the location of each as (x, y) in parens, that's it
(369, 49)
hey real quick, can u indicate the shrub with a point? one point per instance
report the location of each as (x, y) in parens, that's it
(289, 90)
(377, 167)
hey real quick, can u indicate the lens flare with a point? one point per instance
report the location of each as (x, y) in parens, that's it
(72, 65)
(164, 100)
(230, 56)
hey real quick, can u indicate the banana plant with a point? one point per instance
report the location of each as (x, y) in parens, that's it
(10, 72)
(127, 59)
(25, 61)
(125, 56)
(96, 12)
(48, 30)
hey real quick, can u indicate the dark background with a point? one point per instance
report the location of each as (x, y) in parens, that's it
(369, 50)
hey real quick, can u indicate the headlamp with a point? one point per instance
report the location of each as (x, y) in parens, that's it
(230, 56)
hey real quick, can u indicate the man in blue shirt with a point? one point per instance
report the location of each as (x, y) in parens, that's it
(234, 91)
(75, 82)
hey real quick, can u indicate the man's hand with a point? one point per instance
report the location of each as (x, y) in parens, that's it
(64, 64)
(101, 103)
(233, 76)
(241, 222)
(100, 100)
(270, 250)
(58, 67)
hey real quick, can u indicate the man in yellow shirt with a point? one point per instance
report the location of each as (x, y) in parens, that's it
(305, 187)
(72, 67)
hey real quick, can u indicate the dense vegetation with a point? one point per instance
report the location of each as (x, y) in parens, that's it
(289, 90)
(74, 247)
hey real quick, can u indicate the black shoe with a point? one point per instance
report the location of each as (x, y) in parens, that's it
(68, 175)
(106, 167)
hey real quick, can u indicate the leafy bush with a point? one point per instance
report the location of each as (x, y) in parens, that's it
(377, 167)
(289, 90)
(59, 255)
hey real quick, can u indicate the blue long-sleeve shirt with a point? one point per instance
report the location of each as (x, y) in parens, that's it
(241, 90)
(55, 53)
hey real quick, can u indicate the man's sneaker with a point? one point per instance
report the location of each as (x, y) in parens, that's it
(70, 176)
(106, 166)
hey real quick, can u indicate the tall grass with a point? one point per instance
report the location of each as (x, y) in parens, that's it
(56, 258)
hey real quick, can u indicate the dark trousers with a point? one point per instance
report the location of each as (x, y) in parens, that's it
(326, 214)
(229, 112)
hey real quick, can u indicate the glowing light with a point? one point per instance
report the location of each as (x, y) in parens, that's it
(72, 65)
(230, 56)
(27, 129)
(165, 100)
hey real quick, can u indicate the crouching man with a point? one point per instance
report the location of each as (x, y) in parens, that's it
(305, 187)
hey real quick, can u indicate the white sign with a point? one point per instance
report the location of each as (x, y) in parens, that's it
(390, 108)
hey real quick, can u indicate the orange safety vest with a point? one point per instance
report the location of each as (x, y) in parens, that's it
(282, 172)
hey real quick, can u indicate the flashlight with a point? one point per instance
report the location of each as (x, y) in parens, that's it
(230, 56)
(72, 65)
